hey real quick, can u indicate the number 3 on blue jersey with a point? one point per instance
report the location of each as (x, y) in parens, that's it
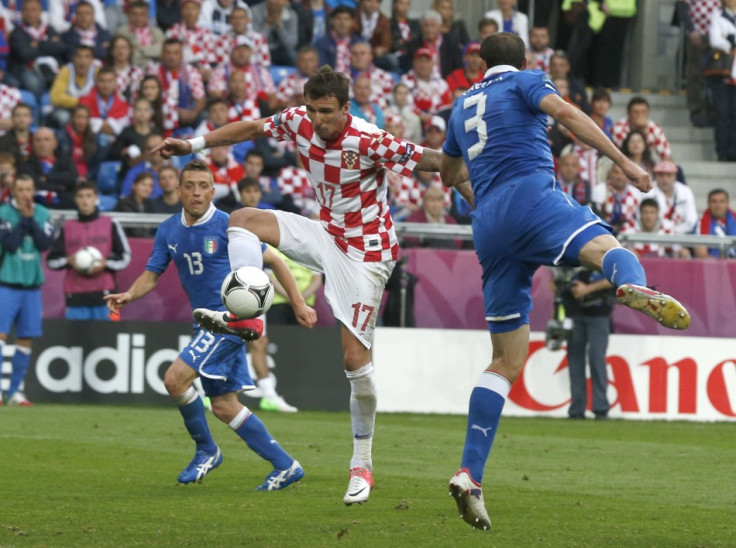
(476, 122)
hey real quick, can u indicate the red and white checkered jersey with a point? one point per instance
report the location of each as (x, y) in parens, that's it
(655, 137)
(244, 110)
(540, 61)
(9, 97)
(430, 96)
(679, 208)
(290, 86)
(199, 44)
(129, 79)
(408, 191)
(617, 207)
(258, 80)
(349, 179)
(588, 158)
(294, 181)
(701, 13)
(382, 85)
(260, 55)
(652, 250)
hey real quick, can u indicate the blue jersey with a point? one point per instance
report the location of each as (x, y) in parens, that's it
(499, 129)
(199, 253)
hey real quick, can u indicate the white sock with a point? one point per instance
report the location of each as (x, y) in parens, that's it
(197, 384)
(268, 390)
(362, 414)
(244, 248)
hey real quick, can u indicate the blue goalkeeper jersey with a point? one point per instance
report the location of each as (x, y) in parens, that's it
(499, 129)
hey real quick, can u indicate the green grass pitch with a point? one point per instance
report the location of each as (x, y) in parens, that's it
(106, 476)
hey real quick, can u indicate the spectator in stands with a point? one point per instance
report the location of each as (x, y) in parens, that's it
(280, 26)
(313, 25)
(84, 291)
(146, 39)
(181, 83)
(375, 28)
(638, 118)
(361, 62)
(694, 17)
(722, 37)
(403, 29)
(334, 47)
(53, 173)
(251, 192)
(226, 173)
(130, 144)
(127, 75)
(35, 48)
(635, 146)
(434, 135)
(290, 91)
(297, 194)
(609, 44)
(74, 81)
(509, 19)
(137, 202)
(486, 27)
(676, 200)
(168, 13)
(259, 84)
(9, 98)
(461, 79)
(361, 105)
(402, 103)
(452, 28)
(217, 116)
(151, 163)
(600, 105)
(256, 166)
(7, 175)
(618, 200)
(110, 112)
(432, 212)
(539, 48)
(650, 221)
(430, 92)
(6, 27)
(168, 202)
(588, 159)
(718, 220)
(78, 141)
(18, 139)
(446, 54)
(198, 42)
(61, 14)
(242, 31)
(165, 107)
(84, 30)
(243, 103)
(570, 181)
(215, 15)
(559, 67)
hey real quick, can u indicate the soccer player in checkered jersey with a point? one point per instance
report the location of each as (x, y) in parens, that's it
(354, 243)
(522, 219)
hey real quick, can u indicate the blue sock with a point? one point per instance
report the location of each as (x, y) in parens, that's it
(195, 420)
(254, 434)
(486, 403)
(21, 360)
(620, 266)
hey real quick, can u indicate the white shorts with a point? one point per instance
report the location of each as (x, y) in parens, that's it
(353, 289)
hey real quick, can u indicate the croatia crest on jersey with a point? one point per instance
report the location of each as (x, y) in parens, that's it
(210, 245)
(350, 158)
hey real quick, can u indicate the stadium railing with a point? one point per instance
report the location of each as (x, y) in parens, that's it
(444, 232)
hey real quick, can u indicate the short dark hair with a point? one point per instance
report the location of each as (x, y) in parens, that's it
(84, 47)
(247, 182)
(638, 100)
(107, 69)
(197, 166)
(486, 21)
(601, 94)
(341, 9)
(328, 83)
(22, 105)
(718, 191)
(255, 152)
(83, 3)
(138, 4)
(172, 42)
(217, 101)
(85, 185)
(649, 202)
(503, 48)
(307, 48)
(143, 175)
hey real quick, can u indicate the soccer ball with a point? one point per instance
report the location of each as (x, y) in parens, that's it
(87, 258)
(247, 292)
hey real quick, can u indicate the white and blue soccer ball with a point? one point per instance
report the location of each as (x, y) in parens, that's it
(87, 258)
(247, 292)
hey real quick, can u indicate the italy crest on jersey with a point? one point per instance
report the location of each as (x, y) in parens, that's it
(350, 158)
(210, 245)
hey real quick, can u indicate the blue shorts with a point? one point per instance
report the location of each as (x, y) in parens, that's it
(100, 313)
(22, 308)
(520, 226)
(220, 362)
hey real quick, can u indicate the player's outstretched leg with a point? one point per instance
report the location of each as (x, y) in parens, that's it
(287, 470)
(225, 323)
(622, 269)
(363, 418)
(207, 456)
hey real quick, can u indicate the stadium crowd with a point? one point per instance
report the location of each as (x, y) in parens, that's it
(89, 87)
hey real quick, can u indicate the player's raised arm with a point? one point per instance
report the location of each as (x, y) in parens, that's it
(142, 286)
(230, 134)
(305, 314)
(588, 131)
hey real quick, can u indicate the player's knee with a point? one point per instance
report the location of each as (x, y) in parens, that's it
(362, 382)
(243, 217)
(225, 409)
(175, 384)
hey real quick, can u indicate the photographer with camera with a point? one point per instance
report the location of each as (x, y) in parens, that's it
(586, 298)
